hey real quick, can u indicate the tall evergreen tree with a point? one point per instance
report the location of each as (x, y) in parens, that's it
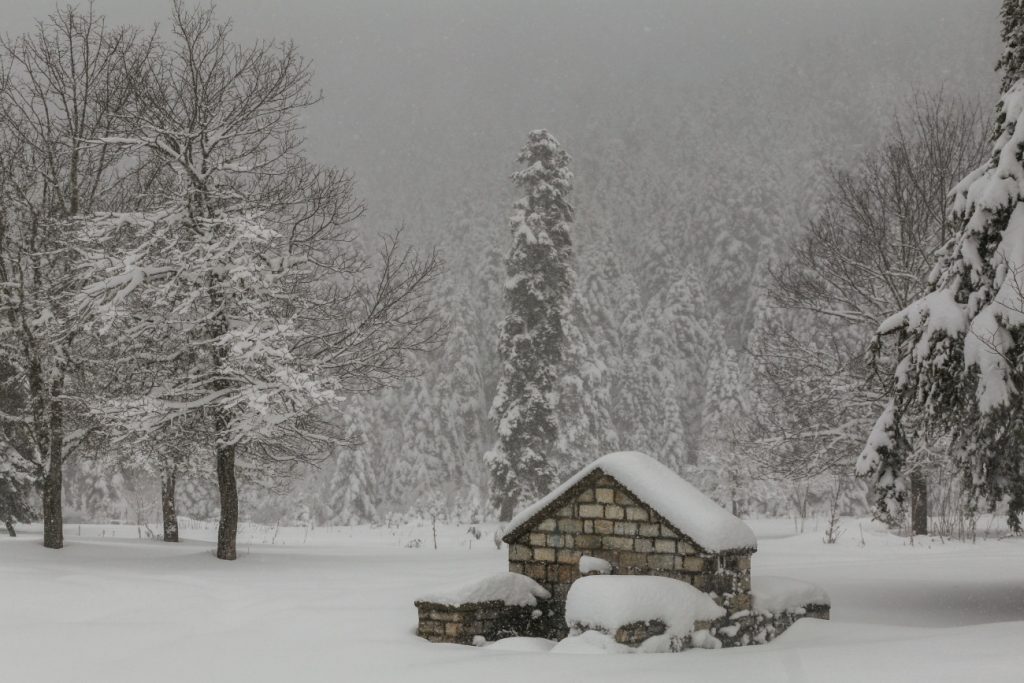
(724, 471)
(352, 494)
(660, 389)
(585, 427)
(532, 335)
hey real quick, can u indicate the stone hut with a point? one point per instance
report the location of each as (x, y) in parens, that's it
(642, 518)
(624, 514)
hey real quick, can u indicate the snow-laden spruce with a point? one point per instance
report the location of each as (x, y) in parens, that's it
(961, 347)
(532, 337)
(1011, 62)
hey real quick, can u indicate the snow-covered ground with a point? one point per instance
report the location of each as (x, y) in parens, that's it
(336, 605)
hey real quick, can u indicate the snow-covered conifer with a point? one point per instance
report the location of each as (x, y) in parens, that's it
(583, 412)
(726, 472)
(666, 349)
(1011, 63)
(352, 495)
(532, 336)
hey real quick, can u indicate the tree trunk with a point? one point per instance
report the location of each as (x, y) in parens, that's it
(48, 424)
(53, 513)
(506, 508)
(10, 527)
(918, 504)
(168, 480)
(228, 527)
(53, 484)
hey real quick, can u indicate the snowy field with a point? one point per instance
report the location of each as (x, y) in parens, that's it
(335, 604)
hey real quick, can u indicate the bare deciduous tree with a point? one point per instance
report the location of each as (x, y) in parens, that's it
(864, 257)
(60, 86)
(244, 283)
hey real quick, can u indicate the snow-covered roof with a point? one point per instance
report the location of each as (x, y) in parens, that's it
(691, 512)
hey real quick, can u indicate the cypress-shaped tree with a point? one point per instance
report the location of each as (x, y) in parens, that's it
(532, 335)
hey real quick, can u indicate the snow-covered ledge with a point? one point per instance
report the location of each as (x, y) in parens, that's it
(658, 614)
(495, 607)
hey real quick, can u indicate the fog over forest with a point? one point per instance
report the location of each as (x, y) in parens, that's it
(700, 134)
(452, 86)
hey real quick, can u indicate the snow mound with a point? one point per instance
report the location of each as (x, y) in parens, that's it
(606, 603)
(777, 594)
(590, 564)
(522, 644)
(590, 643)
(506, 587)
(675, 499)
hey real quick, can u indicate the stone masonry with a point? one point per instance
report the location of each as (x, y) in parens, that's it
(493, 620)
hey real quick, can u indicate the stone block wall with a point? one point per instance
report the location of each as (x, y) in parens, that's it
(752, 627)
(733, 630)
(601, 518)
(493, 620)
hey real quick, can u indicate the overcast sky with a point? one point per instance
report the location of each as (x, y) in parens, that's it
(412, 84)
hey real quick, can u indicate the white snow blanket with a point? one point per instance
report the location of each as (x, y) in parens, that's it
(589, 564)
(506, 587)
(777, 594)
(590, 643)
(609, 602)
(337, 604)
(713, 527)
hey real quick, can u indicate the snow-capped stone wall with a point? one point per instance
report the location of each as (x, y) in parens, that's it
(498, 606)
